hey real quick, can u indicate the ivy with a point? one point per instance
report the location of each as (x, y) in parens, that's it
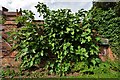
(106, 22)
(66, 35)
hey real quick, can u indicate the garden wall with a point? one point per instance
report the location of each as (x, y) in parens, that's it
(7, 57)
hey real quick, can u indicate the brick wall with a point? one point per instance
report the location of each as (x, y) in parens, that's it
(6, 55)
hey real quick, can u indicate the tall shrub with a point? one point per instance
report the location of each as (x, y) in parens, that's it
(66, 35)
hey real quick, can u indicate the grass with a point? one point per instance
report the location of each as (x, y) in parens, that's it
(105, 70)
(37, 74)
(103, 75)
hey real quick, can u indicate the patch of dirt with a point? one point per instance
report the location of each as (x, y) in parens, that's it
(10, 62)
(73, 74)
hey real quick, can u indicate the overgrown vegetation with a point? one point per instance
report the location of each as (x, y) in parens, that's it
(66, 36)
(106, 22)
(104, 70)
(2, 20)
(66, 42)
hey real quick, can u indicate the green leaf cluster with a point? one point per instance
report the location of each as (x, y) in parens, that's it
(107, 24)
(66, 35)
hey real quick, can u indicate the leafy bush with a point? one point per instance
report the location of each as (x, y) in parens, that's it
(66, 35)
(29, 41)
(117, 8)
(106, 22)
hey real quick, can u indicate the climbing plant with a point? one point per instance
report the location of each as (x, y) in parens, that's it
(66, 35)
(29, 41)
(106, 22)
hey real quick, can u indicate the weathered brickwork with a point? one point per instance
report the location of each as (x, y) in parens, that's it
(7, 57)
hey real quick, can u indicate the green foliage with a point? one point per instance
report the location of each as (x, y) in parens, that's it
(106, 22)
(69, 38)
(69, 41)
(104, 5)
(66, 35)
(117, 8)
(2, 20)
(29, 41)
(107, 69)
(8, 72)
